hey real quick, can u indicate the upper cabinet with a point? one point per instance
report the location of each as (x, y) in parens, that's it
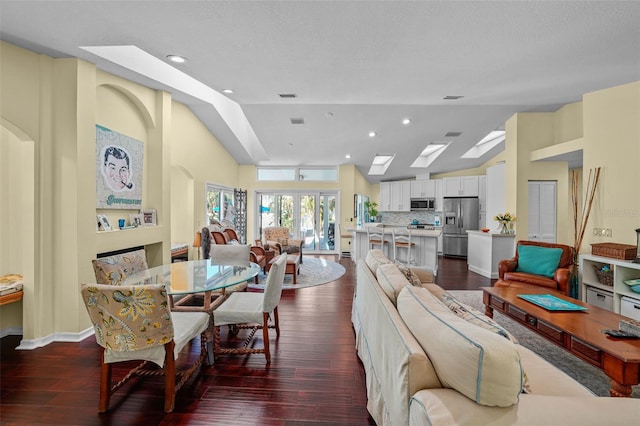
(395, 196)
(460, 186)
(482, 192)
(424, 188)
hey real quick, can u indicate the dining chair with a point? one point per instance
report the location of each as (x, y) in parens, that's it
(375, 236)
(219, 237)
(251, 311)
(134, 323)
(402, 240)
(231, 252)
(116, 268)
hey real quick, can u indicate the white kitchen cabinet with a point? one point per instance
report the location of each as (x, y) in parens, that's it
(461, 186)
(425, 188)
(439, 196)
(395, 196)
(482, 193)
(385, 197)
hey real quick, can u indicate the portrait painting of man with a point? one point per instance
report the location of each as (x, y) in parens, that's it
(118, 170)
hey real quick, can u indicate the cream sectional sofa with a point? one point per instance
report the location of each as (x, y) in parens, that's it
(426, 365)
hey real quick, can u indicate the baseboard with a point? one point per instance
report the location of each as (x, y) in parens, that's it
(11, 331)
(29, 344)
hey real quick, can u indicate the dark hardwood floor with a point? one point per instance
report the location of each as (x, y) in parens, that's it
(315, 376)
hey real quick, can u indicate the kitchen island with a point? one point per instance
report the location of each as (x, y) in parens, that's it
(425, 251)
(486, 249)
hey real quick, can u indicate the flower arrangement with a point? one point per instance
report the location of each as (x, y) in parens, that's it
(505, 220)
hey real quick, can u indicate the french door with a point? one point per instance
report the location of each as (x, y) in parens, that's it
(310, 216)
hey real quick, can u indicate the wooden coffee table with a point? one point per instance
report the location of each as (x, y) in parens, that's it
(579, 332)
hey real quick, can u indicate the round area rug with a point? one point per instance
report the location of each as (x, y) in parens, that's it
(314, 271)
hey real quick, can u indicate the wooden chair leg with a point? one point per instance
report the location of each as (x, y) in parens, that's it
(105, 385)
(265, 336)
(169, 377)
(276, 320)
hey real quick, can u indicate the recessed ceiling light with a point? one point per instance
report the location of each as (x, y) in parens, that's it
(372, 134)
(228, 91)
(329, 114)
(177, 59)
(406, 121)
(347, 156)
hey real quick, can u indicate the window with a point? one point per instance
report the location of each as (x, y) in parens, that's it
(312, 174)
(219, 204)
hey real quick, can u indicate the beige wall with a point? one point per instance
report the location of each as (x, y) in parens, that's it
(48, 111)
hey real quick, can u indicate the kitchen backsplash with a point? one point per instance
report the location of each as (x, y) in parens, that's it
(405, 218)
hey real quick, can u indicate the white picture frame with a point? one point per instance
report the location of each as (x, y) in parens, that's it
(103, 223)
(149, 217)
(136, 219)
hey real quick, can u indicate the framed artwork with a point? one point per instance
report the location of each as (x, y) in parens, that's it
(103, 223)
(149, 217)
(119, 160)
(136, 219)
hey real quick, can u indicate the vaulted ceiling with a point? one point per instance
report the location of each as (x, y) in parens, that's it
(354, 66)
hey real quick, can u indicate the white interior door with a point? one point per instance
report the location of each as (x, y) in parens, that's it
(542, 211)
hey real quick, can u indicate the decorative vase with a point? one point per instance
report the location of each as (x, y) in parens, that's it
(504, 228)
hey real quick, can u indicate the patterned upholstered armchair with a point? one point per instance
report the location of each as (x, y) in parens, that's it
(278, 237)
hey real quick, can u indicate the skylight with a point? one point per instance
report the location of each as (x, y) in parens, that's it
(429, 154)
(485, 144)
(380, 164)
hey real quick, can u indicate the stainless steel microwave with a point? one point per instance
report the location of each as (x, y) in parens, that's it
(423, 204)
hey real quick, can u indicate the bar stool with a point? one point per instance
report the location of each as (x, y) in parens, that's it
(402, 239)
(375, 236)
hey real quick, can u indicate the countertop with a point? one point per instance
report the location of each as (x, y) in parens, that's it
(414, 232)
(491, 234)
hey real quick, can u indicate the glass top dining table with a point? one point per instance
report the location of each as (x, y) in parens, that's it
(197, 277)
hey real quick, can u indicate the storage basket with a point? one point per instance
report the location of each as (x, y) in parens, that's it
(604, 277)
(614, 250)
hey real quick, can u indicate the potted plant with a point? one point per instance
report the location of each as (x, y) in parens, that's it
(372, 210)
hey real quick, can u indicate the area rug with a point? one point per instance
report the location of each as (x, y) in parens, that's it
(313, 271)
(583, 372)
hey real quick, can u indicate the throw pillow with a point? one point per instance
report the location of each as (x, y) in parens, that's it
(474, 361)
(408, 273)
(474, 316)
(538, 260)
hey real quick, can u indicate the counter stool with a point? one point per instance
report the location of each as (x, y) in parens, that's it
(402, 239)
(375, 236)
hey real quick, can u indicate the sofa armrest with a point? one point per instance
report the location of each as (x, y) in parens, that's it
(563, 278)
(507, 265)
(451, 407)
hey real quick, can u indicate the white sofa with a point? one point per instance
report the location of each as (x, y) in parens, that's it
(405, 385)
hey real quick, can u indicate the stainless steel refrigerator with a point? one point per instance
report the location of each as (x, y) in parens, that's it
(461, 214)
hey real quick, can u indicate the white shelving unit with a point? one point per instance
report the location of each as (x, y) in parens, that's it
(622, 270)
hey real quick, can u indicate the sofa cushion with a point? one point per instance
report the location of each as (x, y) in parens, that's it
(538, 260)
(374, 259)
(476, 362)
(391, 280)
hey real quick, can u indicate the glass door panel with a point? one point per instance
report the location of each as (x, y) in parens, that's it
(327, 223)
(308, 230)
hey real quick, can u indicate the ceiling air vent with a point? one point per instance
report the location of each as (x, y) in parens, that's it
(287, 95)
(297, 120)
(452, 97)
(452, 134)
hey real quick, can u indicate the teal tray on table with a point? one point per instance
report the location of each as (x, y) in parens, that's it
(551, 303)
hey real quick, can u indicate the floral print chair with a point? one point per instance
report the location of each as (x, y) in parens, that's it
(135, 323)
(115, 269)
(278, 237)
